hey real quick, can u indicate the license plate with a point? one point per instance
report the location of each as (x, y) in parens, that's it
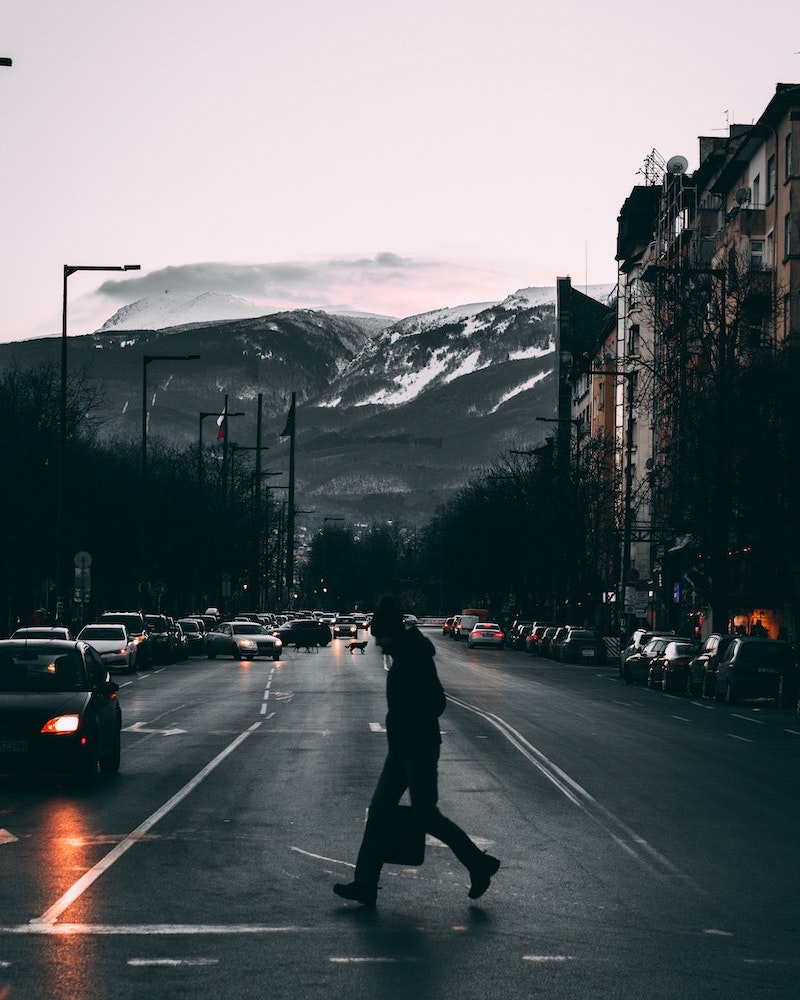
(587, 652)
(767, 670)
(13, 746)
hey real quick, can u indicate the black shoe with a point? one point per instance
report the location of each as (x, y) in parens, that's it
(358, 892)
(481, 875)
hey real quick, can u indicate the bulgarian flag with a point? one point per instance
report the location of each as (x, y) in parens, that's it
(222, 424)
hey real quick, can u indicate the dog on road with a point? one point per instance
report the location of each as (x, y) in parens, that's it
(353, 646)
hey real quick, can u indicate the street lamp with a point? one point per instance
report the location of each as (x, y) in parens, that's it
(146, 360)
(69, 269)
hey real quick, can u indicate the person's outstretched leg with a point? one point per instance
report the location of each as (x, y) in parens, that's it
(424, 792)
(388, 792)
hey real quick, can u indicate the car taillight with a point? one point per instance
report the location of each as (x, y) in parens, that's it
(497, 635)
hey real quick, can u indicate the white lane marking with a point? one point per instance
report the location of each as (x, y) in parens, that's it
(153, 929)
(141, 963)
(139, 727)
(680, 718)
(6, 837)
(746, 718)
(548, 958)
(321, 857)
(742, 739)
(718, 933)
(75, 891)
(626, 838)
(792, 732)
(376, 727)
(358, 960)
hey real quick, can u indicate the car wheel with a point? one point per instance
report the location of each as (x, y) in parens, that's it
(109, 762)
(727, 694)
(235, 654)
(276, 656)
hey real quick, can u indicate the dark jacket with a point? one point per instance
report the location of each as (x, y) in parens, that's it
(414, 695)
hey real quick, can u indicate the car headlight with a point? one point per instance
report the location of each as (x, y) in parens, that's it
(247, 644)
(62, 724)
(278, 643)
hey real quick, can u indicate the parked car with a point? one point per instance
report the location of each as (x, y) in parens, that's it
(533, 641)
(345, 627)
(486, 634)
(447, 625)
(43, 632)
(242, 640)
(59, 711)
(303, 632)
(753, 668)
(556, 640)
(638, 641)
(703, 665)
(194, 634)
(518, 635)
(637, 665)
(669, 670)
(112, 643)
(137, 630)
(517, 632)
(546, 639)
(582, 645)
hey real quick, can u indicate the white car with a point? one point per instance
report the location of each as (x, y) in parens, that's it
(112, 642)
(486, 634)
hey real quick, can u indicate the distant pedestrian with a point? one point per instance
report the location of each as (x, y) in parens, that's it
(415, 700)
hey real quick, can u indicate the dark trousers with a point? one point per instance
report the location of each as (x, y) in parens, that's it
(415, 770)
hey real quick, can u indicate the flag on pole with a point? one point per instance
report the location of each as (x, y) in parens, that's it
(288, 430)
(222, 424)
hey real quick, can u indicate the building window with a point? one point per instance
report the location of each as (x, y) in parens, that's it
(789, 156)
(633, 339)
(757, 255)
(756, 201)
(770, 178)
(788, 243)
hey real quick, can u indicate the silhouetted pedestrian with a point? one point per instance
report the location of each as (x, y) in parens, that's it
(415, 700)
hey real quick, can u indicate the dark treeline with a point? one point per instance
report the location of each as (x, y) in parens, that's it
(536, 533)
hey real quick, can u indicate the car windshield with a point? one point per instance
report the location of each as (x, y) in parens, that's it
(582, 633)
(189, 626)
(133, 623)
(101, 632)
(247, 628)
(681, 648)
(38, 670)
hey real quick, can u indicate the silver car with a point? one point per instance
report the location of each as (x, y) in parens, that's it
(112, 642)
(242, 640)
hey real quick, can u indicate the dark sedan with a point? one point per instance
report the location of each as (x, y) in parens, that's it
(582, 645)
(303, 632)
(670, 669)
(59, 711)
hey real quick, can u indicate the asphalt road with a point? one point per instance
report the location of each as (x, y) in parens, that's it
(649, 843)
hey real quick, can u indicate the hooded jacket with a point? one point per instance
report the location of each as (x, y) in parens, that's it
(414, 695)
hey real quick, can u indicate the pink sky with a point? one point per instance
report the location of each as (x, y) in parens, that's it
(400, 156)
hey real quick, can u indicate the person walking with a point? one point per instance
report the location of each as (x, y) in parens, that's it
(415, 700)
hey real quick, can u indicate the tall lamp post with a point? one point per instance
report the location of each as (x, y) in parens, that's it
(69, 269)
(146, 360)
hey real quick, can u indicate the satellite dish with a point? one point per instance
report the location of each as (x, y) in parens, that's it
(743, 195)
(677, 165)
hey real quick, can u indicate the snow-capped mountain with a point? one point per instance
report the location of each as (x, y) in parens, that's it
(392, 416)
(169, 310)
